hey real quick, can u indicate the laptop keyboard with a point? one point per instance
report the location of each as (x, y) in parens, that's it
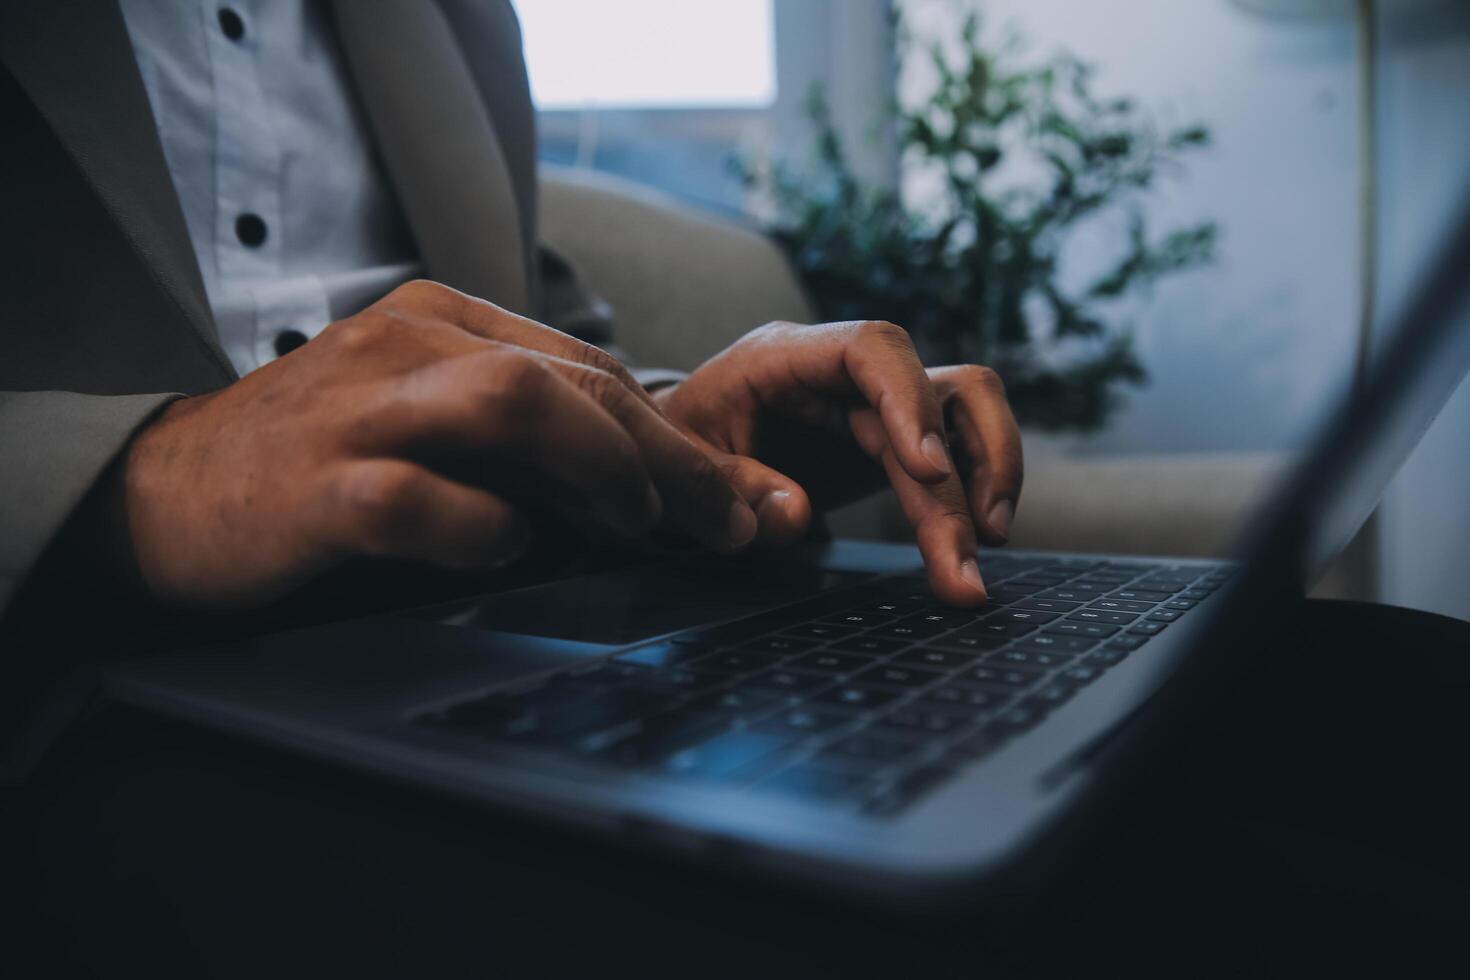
(868, 698)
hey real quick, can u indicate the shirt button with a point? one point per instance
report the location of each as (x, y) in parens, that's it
(288, 340)
(250, 229)
(231, 24)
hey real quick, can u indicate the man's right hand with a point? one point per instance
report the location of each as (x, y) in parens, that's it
(411, 430)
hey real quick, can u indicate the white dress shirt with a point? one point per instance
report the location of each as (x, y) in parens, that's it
(291, 217)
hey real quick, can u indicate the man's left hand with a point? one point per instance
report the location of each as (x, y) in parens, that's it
(803, 417)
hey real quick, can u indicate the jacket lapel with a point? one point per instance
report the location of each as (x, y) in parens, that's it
(94, 100)
(439, 146)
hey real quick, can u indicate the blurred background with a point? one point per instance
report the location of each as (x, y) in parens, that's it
(1178, 229)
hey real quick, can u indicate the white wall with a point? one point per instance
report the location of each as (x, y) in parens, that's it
(1243, 355)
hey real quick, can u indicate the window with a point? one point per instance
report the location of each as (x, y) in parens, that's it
(584, 54)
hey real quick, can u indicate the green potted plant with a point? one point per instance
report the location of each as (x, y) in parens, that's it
(1023, 154)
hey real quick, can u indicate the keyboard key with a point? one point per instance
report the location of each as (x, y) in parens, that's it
(1046, 605)
(1049, 697)
(1162, 585)
(1195, 593)
(1165, 615)
(1032, 659)
(677, 680)
(1146, 628)
(1106, 657)
(907, 630)
(997, 677)
(878, 646)
(970, 644)
(925, 717)
(786, 681)
(1003, 595)
(1007, 629)
(1098, 585)
(1013, 721)
(1105, 616)
(1038, 580)
(870, 750)
(1126, 642)
(1180, 604)
(897, 676)
(831, 662)
(1057, 644)
(1078, 675)
(736, 703)
(1031, 617)
(937, 659)
(970, 697)
(808, 719)
(737, 661)
(1070, 593)
(894, 607)
(862, 697)
(1139, 595)
(1065, 628)
(860, 620)
(779, 644)
(1122, 605)
(947, 618)
(820, 631)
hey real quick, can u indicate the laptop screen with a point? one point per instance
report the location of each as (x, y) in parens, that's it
(1343, 475)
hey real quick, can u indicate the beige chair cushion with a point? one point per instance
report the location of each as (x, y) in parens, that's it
(682, 285)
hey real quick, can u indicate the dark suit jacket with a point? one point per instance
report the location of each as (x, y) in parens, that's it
(103, 314)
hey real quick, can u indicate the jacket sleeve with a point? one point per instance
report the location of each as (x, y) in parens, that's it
(569, 306)
(53, 447)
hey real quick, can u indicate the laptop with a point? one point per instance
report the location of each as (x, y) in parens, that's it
(818, 715)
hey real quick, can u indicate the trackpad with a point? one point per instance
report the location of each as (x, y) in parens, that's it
(632, 604)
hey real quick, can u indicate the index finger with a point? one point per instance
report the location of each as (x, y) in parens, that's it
(941, 520)
(878, 358)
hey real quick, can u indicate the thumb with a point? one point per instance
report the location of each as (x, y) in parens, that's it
(782, 508)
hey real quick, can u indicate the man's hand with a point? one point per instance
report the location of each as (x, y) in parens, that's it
(424, 428)
(801, 416)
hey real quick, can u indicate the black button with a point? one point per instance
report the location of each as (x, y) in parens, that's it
(288, 340)
(250, 229)
(231, 24)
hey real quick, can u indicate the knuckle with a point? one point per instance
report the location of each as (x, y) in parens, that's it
(601, 386)
(511, 380)
(416, 292)
(985, 378)
(592, 356)
(885, 332)
(379, 499)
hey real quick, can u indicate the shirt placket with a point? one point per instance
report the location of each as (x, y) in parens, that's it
(249, 232)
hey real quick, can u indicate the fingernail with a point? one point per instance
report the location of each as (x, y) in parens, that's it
(742, 525)
(775, 499)
(933, 449)
(1000, 516)
(970, 572)
(653, 507)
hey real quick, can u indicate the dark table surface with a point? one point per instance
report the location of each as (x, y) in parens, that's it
(1316, 823)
